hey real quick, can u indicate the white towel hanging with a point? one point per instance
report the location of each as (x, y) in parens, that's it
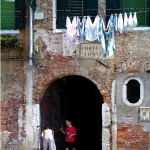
(134, 20)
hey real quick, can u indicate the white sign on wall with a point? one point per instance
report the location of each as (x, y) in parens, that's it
(91, 51)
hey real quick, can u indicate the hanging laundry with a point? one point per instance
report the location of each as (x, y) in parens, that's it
(110, 39)
(78, 27)
(116, 22)
(125, 25)
(120, 23)
(81, 29)
(82, 36)
(134, 20)
(71, 30)
(130, 21)
(91, 29)
(78, 31)
(101, 35)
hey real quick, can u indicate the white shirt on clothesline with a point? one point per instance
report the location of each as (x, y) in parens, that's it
(120, 23)
(134, 20)
(91, 29)
(125, 23)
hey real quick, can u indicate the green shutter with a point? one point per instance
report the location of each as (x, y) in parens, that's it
(137, 6)
(148, 13)
(20, 8)
(7, 15)
(111, 8)
(92, 8)
(78, 8)
(69, 8)
(62, 13)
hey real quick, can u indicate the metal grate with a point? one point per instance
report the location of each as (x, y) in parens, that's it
(133, 91)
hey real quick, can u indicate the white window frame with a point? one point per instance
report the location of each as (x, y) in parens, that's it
(3, 32)
(124, 92)
(54, 19)
(10, 0)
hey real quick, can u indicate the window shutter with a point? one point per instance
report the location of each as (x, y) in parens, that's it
(78, 8)
(75, 8)
(112, 7)
(20, 8)
(92, 8)
(136, 6)
(69, 8)
(7, 14)
(62, 13)
(148, 13)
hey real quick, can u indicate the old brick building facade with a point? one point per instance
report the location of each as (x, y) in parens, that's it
(33, 96)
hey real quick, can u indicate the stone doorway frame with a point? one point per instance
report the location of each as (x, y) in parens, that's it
(42, 81)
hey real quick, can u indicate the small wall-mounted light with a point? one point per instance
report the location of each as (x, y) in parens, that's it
(144, 113)
(36, 48)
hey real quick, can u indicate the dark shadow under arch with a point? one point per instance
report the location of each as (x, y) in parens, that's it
(79, 99)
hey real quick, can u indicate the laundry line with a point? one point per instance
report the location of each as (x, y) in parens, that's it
(103, 9)
(85, 9)
(104, 15)
(84, 16)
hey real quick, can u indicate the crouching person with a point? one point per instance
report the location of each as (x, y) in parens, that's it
(48, 139)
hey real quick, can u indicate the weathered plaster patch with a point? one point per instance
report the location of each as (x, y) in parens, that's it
(105, 139)
(4, 139)
(20, 122)
(106, 116)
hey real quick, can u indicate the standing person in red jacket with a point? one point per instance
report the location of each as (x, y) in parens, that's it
(70, 133)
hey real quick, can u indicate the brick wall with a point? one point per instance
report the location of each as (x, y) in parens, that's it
(13, 97)
(132, 137)
(9, 117)
(132, 56)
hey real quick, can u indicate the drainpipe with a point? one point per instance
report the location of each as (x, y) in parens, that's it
(29, 89)
(30, 36)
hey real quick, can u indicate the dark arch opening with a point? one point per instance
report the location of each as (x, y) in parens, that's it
(77, 98)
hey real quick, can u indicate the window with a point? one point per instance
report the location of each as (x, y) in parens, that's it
(74, 8)
(12, 14)
(139, 6)
(133, 91)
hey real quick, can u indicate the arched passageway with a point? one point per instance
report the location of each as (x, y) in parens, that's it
(78, 99)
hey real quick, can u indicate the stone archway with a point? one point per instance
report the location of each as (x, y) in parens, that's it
(76, 98)
(42, 81)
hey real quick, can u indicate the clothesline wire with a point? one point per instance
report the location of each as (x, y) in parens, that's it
(80, 16)
(103, 9)
(106, 15)
(87, 9)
